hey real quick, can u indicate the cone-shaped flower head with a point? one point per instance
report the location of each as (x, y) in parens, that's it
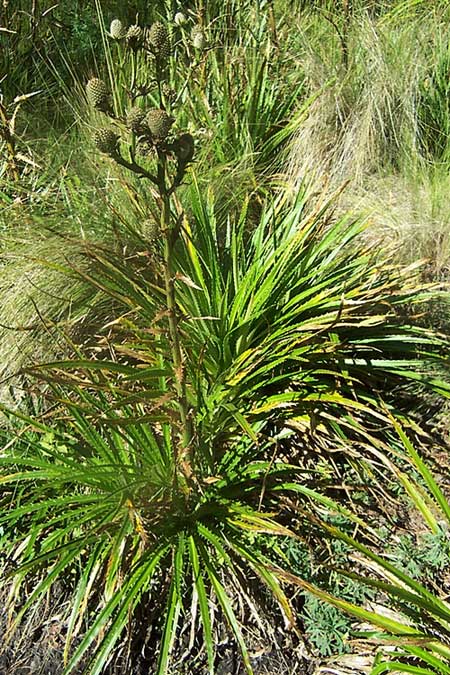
(134, 119)
(105, 140)
(158, 37)
(135, 37)
(97, 94)
(117, 30)
(198, 36)
(164, 52)
(159, 123)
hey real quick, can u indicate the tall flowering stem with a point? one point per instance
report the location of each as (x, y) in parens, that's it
(170, 231)
(150, 155)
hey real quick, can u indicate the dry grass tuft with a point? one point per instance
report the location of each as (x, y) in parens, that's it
(41, 305)
(364, 129)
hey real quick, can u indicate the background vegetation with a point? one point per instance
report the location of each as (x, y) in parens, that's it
(272, 494)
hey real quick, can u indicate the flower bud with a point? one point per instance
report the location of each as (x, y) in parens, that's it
(117, 30)
(198, 37)
(180, 19)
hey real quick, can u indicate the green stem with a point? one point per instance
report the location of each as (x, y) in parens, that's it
(133, 70)
(158, 80)
(183, 458)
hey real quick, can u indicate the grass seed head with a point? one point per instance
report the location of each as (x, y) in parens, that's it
(159, 123)
(105, 140)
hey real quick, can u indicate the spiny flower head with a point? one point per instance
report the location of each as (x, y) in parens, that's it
(164, 52)
(135, 37)
(105, 140)
(158, 37)
(134, 119)
(159, 123)
(97, 94)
